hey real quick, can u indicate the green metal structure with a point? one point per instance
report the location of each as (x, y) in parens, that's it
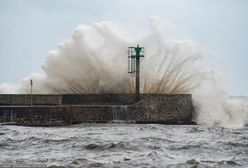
(134, 53)
(134, 57)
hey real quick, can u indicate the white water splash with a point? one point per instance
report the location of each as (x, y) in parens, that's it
(215, 107)
(94, 60)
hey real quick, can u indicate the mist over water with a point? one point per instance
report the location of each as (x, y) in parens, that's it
(94, 60)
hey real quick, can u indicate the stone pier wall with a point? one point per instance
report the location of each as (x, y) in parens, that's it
(166, 109)
(98, 99)
(25, 99)
(152, 108)
(98, 114)
(35, 115)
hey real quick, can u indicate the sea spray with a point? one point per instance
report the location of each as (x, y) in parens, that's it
(214, 106)
(94, 60)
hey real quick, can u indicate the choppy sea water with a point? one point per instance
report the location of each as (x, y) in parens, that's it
(125, 145)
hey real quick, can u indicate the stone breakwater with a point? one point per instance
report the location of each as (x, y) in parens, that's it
(48, 110)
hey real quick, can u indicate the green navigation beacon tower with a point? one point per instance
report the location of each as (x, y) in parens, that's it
(134, 57)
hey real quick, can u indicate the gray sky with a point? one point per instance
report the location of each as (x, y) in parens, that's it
(31, 28)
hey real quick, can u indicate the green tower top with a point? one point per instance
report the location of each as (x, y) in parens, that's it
(134, 55)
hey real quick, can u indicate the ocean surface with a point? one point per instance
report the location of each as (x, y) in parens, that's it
(124, 145)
